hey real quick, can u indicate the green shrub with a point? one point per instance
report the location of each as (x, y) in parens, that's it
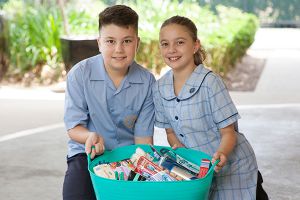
(229, 42)
(33, 35)
(83, 19)
(34, 32)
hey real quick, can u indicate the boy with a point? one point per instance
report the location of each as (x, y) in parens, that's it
(108, 99)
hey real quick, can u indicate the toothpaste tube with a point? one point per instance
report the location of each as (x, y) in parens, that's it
(187, 164)
(145, 164)
(203, 168)
(174, 168)
(138, 153)
(104, 171)
(157, 155)
(161, 176)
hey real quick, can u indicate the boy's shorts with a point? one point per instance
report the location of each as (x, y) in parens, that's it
(77, 183)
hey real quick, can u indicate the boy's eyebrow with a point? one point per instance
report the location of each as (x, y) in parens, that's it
(126, 37)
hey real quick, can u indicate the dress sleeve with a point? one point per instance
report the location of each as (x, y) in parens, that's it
(223, 109)
(161, 120)
(76, 110)
(144, 125)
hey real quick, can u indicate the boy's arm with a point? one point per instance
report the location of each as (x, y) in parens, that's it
(144, 126)
(228, 142)
(172, 139)
(82, 135)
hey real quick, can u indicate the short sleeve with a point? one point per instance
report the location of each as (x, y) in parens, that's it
(223, 109)
(144, 125)
(161, 120)
(76, 109)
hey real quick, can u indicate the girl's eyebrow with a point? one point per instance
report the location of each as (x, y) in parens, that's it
(179, 38)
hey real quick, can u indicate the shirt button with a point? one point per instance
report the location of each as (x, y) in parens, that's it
(192, 90)
(178, 100)
(176, 117)
(181, 135)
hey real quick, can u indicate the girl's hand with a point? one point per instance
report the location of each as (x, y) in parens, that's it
(176, 146)
(94, 140)
(223, 159)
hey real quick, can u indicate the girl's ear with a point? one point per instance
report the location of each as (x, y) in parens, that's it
(197, 45)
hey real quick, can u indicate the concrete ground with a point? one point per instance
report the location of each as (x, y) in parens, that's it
(33, 140)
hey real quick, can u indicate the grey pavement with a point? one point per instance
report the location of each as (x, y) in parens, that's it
(33, 140)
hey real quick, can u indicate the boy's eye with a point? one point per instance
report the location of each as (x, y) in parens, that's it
(127, 41)
(180, 42)
(110, 41)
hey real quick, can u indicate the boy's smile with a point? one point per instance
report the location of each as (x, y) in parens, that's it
(118, 47)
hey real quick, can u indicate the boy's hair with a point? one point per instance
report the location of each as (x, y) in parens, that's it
(200, 55)
(119, 15)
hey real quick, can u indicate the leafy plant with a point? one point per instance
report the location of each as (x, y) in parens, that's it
(33, 35)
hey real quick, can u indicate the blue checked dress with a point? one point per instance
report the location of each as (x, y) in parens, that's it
(202, 107)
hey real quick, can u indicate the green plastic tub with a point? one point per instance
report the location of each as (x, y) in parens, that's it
(108, 189)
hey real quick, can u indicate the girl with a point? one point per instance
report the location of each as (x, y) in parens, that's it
(195, 108)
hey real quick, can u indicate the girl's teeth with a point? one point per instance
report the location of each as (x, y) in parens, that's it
(174, 58)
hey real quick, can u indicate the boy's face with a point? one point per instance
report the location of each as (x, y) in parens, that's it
(118, 46)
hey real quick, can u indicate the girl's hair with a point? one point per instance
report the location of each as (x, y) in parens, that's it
(200, 55)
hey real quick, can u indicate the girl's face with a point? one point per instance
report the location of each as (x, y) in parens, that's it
(177, 47)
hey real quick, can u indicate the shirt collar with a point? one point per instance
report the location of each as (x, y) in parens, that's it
(192, 85)
(98, 71)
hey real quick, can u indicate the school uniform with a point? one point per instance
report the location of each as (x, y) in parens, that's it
(202, 107)
(118, 114)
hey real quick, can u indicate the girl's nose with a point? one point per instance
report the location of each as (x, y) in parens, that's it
(172, 48)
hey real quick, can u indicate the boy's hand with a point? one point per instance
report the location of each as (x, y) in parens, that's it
(94, 140)
(223, 159)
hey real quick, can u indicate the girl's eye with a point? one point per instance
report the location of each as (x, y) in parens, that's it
(163, 44)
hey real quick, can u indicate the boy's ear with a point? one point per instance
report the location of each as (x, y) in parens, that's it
(99, 44)
(138, 44)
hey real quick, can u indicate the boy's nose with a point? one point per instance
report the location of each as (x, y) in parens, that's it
(119, 47)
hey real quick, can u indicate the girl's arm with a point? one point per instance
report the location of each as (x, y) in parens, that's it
(228, 141)
(172, 139)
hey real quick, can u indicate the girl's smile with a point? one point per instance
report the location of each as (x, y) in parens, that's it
(177, 47)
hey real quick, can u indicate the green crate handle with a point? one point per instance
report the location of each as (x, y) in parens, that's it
(89, 157)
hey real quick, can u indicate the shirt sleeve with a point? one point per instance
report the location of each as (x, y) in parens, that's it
(144, 126)
(223, 109)
(76, 109)
(161, 120)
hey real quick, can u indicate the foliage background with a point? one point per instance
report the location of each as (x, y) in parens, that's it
(35, 28)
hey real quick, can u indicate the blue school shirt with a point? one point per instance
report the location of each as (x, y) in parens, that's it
(196, 115)
(118, 115)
